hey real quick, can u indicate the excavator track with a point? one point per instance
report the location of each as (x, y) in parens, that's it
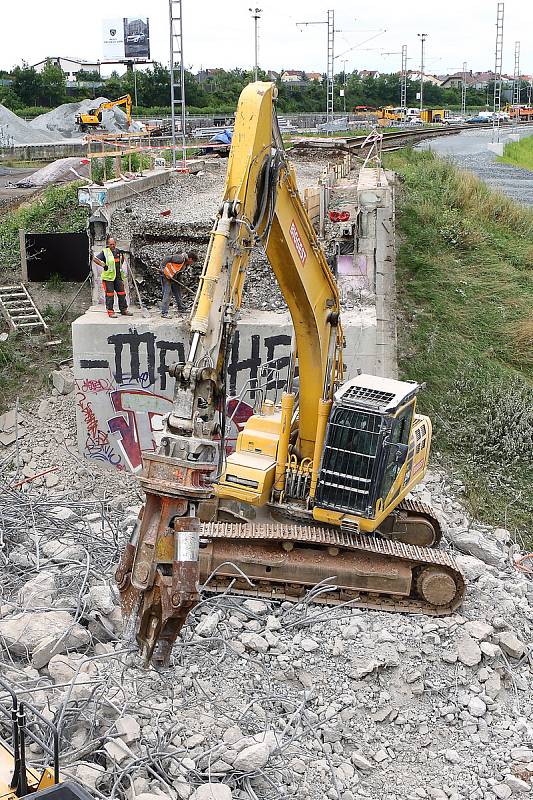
(366, 571)
(415, 515)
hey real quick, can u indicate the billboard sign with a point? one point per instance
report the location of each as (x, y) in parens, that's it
(126, 38)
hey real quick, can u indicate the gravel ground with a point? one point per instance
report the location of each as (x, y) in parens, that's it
(263, 699)
(468, 150)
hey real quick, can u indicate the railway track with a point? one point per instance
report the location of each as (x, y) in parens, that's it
(391, 141)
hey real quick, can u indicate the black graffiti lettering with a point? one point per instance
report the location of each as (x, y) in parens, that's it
(134, 341)
(93, 363)
(164, 348)
(252, 363)
(271, 343)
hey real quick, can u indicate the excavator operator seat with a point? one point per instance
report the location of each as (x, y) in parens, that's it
(366, 445)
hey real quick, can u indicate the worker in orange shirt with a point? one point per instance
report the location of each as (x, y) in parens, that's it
(171, 267)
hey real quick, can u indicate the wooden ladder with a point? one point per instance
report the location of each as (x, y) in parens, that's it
(19, 310)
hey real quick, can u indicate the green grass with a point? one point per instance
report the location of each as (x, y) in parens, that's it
(464, 275)
(26, 361)
(56, 210)
(519, 154)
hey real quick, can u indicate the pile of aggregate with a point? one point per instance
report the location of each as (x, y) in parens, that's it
(16, 131)
(62, 120)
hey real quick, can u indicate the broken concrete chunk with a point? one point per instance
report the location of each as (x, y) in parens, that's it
(256, 606)
(101, 598)
(62, 668)
(87, 774)
(62, 381)
(38, 591)
(128, 729)
(208, 624)
(517, 785)
(475, 544)
(253, 757)
(468, 650)
(502, 791)
(477, 707)
(212, 791)
(511, 644)
(26, 632)
(118, 751)
(478, 630)
(524, 754)
(361, 762)
(252, 641)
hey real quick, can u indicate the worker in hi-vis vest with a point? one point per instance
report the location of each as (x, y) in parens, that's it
(112, 278)
(170, 268)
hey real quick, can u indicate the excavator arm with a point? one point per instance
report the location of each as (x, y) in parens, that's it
(158, 572)
(346, 458)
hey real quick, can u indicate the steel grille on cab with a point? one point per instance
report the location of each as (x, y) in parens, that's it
(348, 462)
(362, 395)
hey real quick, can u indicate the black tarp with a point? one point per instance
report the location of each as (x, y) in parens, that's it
(63, 254)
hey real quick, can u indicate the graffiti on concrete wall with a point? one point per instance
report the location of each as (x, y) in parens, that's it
(124, 393)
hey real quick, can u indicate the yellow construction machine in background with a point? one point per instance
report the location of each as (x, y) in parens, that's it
(92, 119)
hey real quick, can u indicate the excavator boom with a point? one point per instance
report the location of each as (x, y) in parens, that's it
(338, 460)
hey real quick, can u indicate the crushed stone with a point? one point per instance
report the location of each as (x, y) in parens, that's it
(16, 131)
(62, 120)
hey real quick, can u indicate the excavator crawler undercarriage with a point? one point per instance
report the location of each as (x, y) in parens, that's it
(285, 561)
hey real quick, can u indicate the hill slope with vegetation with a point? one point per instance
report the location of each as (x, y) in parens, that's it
(465, 268)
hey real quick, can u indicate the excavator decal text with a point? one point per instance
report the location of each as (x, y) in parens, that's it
(297, 241)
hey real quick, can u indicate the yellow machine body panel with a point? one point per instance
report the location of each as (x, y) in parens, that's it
(247, 477)
(250, 470)
(36, 780)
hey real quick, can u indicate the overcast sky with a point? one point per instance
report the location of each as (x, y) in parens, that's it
(219, 33)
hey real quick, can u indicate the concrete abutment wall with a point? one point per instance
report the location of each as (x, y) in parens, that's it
(121, 365)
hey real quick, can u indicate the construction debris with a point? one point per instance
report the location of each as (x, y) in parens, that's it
(263, 699)
(63, 170)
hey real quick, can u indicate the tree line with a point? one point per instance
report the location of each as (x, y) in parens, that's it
(219, 91)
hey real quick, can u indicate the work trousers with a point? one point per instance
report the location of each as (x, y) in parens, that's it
(110, 287)
(168, 287)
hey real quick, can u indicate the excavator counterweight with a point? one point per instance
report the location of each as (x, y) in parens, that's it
(316, 491)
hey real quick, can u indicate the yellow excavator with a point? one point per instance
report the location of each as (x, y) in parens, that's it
(316, 490)
(92, 119)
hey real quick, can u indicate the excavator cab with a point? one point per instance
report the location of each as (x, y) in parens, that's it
(376, 448)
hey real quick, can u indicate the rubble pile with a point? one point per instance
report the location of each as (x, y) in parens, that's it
(61, 121)
(39, 451)
(263, 699)
(193, 201)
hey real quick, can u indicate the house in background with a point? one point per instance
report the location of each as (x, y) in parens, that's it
(70, 66)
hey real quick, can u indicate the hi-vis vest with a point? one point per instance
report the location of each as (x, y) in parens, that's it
(171, 269)
(110, 272)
